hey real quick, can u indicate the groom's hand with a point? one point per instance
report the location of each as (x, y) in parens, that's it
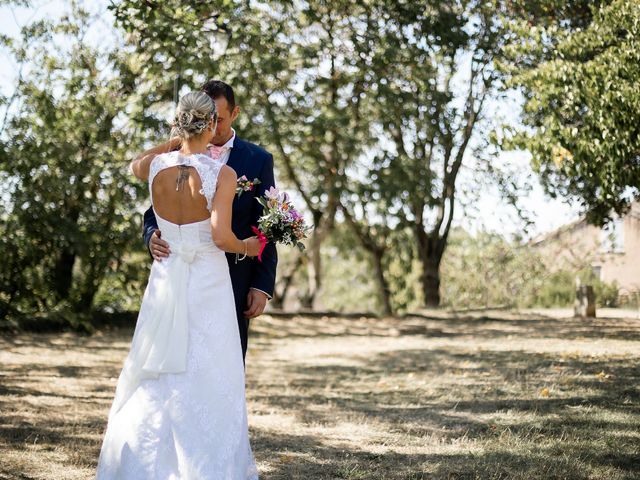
(256, 301)
(159, 248)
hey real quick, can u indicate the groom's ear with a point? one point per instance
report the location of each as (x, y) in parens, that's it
(235, 113)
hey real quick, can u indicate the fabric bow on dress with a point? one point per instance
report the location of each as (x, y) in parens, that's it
(164, 333)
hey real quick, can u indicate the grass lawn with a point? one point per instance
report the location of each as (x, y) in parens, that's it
(498, 396)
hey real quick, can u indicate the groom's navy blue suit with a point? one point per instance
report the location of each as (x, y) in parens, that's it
(253, 162)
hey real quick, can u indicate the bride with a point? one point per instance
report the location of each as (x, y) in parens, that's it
(179, 410)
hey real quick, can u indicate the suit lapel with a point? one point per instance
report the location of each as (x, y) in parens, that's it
(236, 161)
(236, 156)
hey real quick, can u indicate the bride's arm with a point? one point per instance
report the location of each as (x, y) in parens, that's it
(221, 231)
(140, 165)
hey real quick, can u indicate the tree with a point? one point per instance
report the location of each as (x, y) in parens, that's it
(433, 75)
(485, 270)
(69, 199)
(578, 66)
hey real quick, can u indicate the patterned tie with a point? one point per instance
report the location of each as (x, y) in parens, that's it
(217, 151)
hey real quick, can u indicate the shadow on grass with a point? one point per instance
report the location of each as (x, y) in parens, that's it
(590, 424)
(480, 327)
(307, 457)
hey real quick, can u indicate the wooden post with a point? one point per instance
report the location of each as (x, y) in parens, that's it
(585, 305)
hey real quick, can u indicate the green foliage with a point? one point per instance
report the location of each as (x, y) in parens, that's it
(429, 98)
(371, 110)
(485, 270)
(348, 284)
(558, 289)
(124, 281)
(582, 102)
(403, 270)
(68, 205)
(478, 271)
(171, 38)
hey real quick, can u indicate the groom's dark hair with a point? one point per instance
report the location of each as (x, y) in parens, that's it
(217, 88)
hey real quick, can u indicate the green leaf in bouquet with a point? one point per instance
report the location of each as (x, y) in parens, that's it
(263, 202)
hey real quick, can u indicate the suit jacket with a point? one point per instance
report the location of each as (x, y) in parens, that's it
(254, 162)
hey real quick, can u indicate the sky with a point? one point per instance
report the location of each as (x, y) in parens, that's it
(489, 212)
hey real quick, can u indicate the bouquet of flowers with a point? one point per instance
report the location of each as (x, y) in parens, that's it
(280, 222)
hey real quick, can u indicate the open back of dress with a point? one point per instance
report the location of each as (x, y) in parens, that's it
(183, 210)
(182, 187)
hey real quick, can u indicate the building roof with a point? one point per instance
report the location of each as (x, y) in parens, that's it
(554, 234)
(634, 212)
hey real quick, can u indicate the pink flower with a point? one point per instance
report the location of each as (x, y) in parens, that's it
(272, 194)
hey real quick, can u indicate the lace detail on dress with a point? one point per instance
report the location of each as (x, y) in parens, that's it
(208, 178)
(208, 170)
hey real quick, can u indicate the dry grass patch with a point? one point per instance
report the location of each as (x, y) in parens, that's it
(504, 396)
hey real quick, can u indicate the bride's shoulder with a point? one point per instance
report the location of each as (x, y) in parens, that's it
(227, 175)
(165, 157)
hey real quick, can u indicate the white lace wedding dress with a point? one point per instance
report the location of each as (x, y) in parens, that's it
(179, 411)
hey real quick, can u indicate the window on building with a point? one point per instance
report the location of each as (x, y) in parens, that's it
(612, 237)
(596, 271)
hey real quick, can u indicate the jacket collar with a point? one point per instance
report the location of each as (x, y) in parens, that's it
(237, 153)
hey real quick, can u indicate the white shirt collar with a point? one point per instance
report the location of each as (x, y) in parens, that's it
(229, 143)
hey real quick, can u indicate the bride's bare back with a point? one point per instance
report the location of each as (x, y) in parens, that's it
(176, 195)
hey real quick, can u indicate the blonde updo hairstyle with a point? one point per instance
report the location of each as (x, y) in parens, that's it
(193, 115)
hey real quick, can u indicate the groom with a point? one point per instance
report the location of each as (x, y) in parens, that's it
(253, 281)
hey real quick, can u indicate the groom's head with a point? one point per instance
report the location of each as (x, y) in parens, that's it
(222, 94)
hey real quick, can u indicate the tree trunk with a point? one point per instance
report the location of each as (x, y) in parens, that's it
(63, 274)
(279, 297)
(86, 300)
(321, 227)
(430, 257)
(430, 279)
(90, 287)
(377, 251)
(383, 286)
(314, 272)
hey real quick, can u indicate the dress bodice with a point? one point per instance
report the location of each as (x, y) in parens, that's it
(190, 233)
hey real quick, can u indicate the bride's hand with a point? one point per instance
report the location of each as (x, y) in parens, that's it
(253, 246)
(175, 143)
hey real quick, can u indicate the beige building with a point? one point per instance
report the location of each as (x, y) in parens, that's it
(612, 253)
